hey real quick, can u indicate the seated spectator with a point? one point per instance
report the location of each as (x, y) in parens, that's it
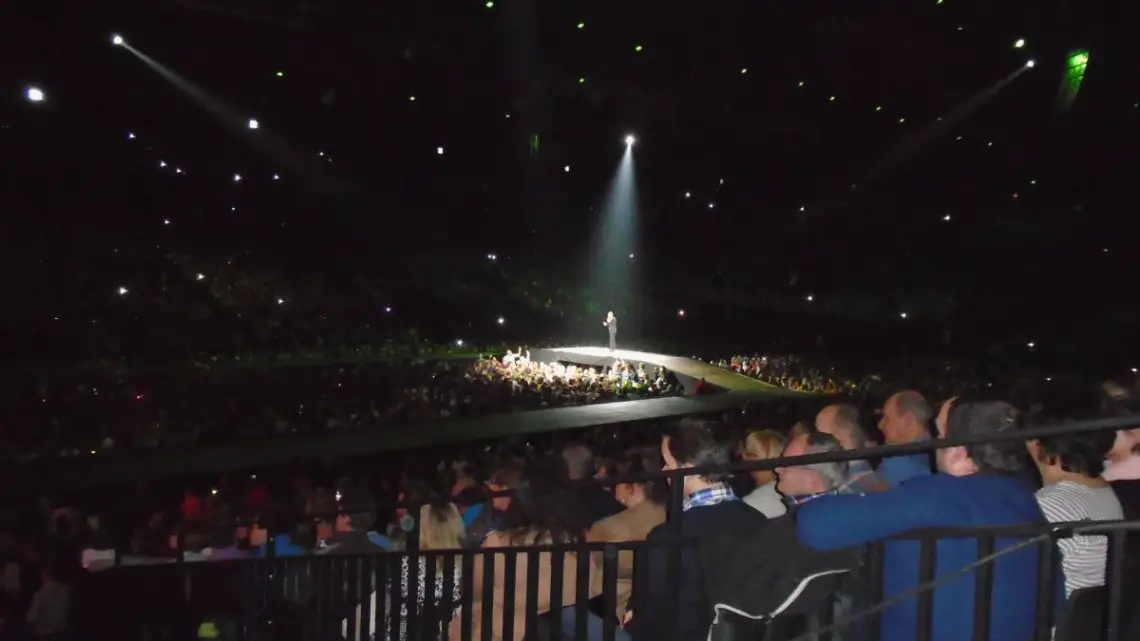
(976, 488)
(487, 516)
(597, 502)
(644, 503)
(905, 419)
(543, 512)
(842, 422)
(1070, 467)
(756, 570)
(761, 445)
(441, 528)
(658, 608)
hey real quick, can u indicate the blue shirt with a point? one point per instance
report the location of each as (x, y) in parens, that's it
(939, 500)
(284, 547)
(897, 469)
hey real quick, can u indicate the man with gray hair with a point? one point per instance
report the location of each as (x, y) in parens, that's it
(842, 422)
(802, 483)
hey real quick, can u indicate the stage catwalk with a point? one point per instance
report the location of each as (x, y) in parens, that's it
(687, 369)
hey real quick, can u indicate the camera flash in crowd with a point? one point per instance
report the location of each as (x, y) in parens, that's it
(237, 178)
(809, 298)
(502, 320)
(439, 151)
(122, 291)
(459, 342)
(902, 314)
(681, 312)
(35, 94)
(492, 257)
(253, 124)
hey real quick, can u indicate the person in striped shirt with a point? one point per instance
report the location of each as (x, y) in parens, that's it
(1071, 466)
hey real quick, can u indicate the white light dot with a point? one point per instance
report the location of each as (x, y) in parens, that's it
(117, 40)
(688, 194)
(162, 163)
(35, 94)
(680, 312)
(1134, 370)
(122, 291)
(412, 98)
(712, 205)
(387, 310)
(502, 320)
(1030, 63)
(566, 168)
(439, 151)
(902, 315)
(459, 342)
(130, 136)
(492, 257)
(629, 140)
(237, 178)
(946, 218)
(631, 256)
(200, 276)
(1019, 43)
(1030, 344)
(809, 298)
(803, 208)
(280, 301)
(276, 177)
(178, 170)
(253, 124)
(165, 221)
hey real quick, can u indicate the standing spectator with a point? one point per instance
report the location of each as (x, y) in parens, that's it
(710, 507)
(761, 445)
(977, 487)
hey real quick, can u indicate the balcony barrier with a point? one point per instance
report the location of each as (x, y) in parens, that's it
(326, 597)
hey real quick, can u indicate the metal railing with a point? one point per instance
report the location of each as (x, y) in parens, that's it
(314, 598)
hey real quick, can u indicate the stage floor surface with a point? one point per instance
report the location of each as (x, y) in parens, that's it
(725, 379)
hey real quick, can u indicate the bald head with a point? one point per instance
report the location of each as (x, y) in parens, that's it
(906, 418)
(842, 422)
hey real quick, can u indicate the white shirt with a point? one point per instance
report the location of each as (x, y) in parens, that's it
(767, 500)
(1083, 557)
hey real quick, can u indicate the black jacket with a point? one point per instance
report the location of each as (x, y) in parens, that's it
(755, 571)
(658, 607)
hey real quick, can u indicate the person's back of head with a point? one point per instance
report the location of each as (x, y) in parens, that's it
(578, 460)
(700, 443)
(981, 419)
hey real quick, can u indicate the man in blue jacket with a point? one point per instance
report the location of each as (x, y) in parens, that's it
(977, 487)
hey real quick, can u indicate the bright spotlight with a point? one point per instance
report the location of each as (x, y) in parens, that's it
(35, 94)
(253, 124)
(502, 320)
(1031, 63)
(117, 40)
(629, 140)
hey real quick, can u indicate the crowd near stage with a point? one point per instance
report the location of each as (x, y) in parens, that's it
(687, 370)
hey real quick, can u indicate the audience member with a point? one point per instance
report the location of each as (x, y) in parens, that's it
(976, 488)
(1070, 467)
(544, 513)
(761, 445)
(842, 422)
(905, 419)
(597, 502)
(644, 503)
(710, 507)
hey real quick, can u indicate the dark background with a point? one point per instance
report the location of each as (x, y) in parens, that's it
(1039, 247)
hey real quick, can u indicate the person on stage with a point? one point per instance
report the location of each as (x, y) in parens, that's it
(611, 323)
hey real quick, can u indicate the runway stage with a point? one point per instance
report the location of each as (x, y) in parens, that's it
(688, 370)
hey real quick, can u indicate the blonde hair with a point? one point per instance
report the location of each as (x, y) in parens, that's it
(763, 444)
(441, 527)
